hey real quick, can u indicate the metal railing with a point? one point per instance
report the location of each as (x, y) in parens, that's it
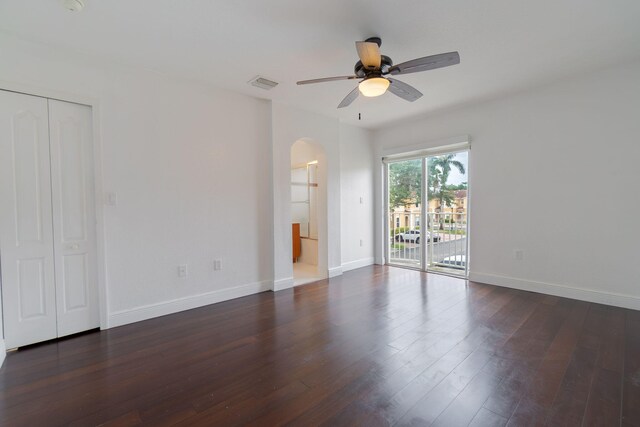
(445, 235)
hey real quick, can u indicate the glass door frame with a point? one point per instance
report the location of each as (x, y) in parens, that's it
(424, 207)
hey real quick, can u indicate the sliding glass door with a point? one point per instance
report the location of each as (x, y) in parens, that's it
(427, 206)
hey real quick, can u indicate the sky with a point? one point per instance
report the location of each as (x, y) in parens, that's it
(456, 177)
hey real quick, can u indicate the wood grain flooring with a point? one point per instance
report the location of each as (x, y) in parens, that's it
(378, 346)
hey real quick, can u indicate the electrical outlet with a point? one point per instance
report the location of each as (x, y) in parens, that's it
(217, 264)
(361, 242)
(182, 270)
(361, 200)
(518, 254)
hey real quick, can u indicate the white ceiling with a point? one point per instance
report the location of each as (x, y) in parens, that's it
(505, 45)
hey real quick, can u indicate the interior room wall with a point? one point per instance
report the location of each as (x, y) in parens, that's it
(2, 346)
(356, 197)
(191, 169)
(303, 152)
(198, 173)
(554, 173)
(309, 252)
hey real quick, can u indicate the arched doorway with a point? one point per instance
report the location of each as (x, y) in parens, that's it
(308, 211)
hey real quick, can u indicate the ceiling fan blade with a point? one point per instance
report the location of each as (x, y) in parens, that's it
(350, 98)
(404, 91)
(369, 54)
(327, 79)
(426, 63)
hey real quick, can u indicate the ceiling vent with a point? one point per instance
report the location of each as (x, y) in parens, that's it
(263, 83)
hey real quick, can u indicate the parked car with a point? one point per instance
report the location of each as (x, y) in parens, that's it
(414, 236)
(455, 261)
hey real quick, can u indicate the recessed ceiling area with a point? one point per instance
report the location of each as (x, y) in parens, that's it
(504, 46)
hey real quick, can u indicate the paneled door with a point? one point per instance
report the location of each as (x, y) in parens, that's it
(26, 228)
(73, 208)
(47, 219)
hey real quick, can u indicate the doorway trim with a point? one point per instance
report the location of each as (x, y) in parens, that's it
(98, 189)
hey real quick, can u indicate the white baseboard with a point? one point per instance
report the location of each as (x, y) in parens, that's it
(359, 263)
(618, 300)
(3, 352)
(335, 271)
(281, 284)
(150, 311)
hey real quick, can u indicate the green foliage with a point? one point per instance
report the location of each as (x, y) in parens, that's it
(438, 170)
(461, 186)
(460, 232)
(405, 180)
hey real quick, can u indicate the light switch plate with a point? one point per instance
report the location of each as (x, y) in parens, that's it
(182, 270)
(110, 198)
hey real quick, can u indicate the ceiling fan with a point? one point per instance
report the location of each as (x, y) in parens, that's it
(373, 67)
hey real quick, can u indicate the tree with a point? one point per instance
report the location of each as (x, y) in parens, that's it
(438, 169)
(461, 186)
(405, 181)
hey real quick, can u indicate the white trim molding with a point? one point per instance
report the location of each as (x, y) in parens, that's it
(3, 352)
(150, 311)
(282, 284)
(589, 295)
(335, 271)
(425, 149)
(359, 263)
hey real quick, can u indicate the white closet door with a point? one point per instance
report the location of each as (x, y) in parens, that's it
(26, 234)
(70, 127)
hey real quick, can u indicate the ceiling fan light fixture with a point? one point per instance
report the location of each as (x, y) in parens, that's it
(372, 67)
(374, 86)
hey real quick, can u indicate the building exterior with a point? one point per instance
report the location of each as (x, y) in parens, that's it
(409, 216)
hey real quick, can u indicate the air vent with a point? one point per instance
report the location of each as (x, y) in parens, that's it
(263, 83)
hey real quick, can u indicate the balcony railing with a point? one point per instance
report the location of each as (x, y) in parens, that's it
(445, 237)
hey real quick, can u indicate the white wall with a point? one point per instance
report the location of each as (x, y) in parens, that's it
(199, 175)
(303, 152)
(553, 172)
(2, 346)
(308, 252)
(356, 197)
(191, 169)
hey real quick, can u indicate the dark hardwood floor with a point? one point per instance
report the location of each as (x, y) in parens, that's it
(377, 346)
